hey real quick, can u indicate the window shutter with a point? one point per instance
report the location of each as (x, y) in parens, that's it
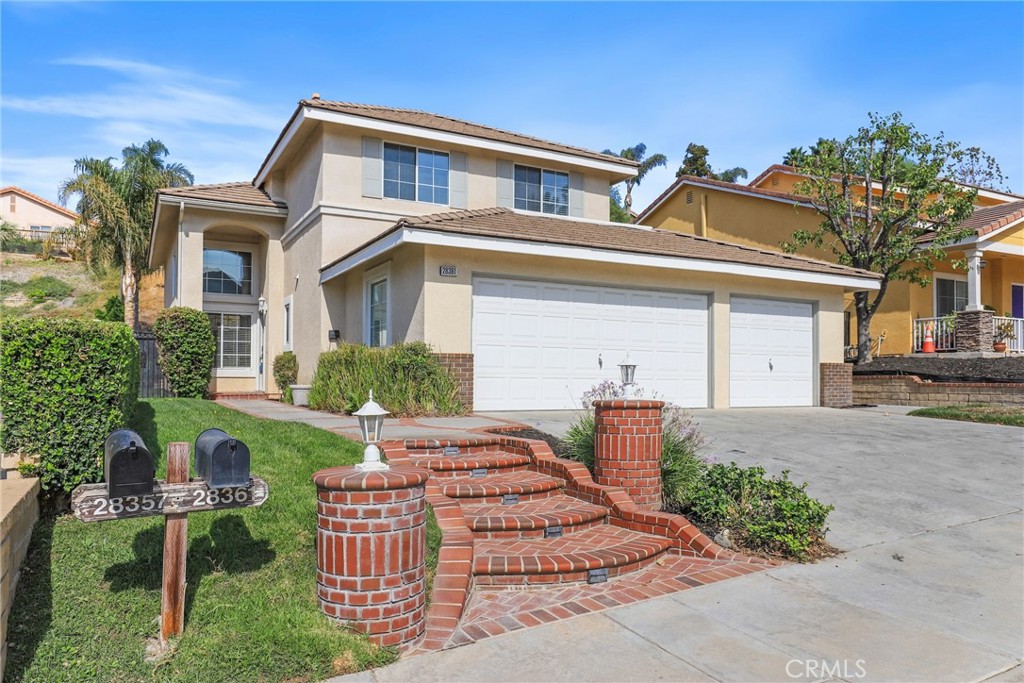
(576, 195)
(459, 163)
(373, 167)
(505, 184)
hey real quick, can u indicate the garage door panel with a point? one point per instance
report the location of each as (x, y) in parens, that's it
(569, 327)
(771, 358)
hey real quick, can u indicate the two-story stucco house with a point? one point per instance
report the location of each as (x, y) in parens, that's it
(376, 225)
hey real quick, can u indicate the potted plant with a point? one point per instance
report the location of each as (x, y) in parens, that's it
(1003, 331)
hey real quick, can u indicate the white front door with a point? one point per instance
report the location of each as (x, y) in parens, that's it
(771, 353)
(541, 345)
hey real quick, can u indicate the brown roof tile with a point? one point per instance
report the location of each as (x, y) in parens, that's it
(36, 198)
(509, 224)
(234, 193)
(448, 124)
(991, 218)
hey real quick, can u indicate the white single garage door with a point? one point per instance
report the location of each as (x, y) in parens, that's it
(541, 345)
(771, 353)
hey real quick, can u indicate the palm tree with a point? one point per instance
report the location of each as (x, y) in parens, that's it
(795, 157)
(731, 175)
(115, 210)
(638, 153)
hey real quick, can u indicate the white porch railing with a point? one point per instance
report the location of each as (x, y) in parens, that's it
(942, 333)
(1016, 343)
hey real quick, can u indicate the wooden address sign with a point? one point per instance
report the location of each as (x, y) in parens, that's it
(91, 503)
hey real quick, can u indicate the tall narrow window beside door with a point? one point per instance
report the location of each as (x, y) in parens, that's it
(377, 302)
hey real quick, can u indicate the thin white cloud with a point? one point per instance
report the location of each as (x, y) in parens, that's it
(39, 175)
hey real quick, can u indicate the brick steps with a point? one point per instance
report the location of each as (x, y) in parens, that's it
(532, 518)
(564, 560)
(491, 488)
(455, 465)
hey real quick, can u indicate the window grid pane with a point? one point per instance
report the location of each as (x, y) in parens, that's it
(433, 169)
(399, 171)
(232, 333)
(538, 190)
(227, 272)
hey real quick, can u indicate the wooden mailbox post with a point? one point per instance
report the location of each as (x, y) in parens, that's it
(175, 497)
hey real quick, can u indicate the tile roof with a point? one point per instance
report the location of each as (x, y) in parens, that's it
(772, 169)
(448, 124)
(36, 198)
(234, 193)
(990, 218)
(508, 224)
(732, 187)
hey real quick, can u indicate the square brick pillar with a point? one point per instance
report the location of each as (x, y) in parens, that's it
(974, 330)
(627, 448)
(371, 542)
(460, 367)
(836, 385)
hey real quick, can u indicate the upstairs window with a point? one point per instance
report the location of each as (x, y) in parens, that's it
(539, 190)
(416, 175)
(226, 271)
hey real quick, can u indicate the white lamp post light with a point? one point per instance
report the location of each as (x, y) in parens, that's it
(371, 426)
(628, 372)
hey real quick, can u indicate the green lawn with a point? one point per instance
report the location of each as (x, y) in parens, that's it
(89, 595)
(1001, 415)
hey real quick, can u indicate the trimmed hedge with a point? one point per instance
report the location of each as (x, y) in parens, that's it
(286, 373)
(187, 347)
(64, 386)
(407, 379)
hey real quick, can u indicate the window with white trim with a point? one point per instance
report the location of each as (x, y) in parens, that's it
(537, 189)
(418, 175)
(950, 296)
(233, 334)
(377, 307)
(288, 325)
(227, 271)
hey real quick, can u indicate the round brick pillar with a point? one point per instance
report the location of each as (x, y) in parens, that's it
(627, 448)
(370, 550)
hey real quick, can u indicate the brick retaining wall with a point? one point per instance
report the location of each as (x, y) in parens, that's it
(911, 390)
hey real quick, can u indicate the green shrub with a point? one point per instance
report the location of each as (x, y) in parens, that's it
(186, 345)
(286, 373)
(23, 245)
(407, 379)
(112, 311)
(40, 289)
(64, 386)
(774, 514)
(9, 287)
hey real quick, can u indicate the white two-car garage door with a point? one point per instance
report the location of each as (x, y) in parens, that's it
(541, 345)
(771, 353)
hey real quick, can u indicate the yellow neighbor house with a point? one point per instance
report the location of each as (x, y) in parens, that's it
(766, 212)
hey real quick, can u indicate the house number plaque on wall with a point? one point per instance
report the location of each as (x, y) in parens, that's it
(449, 271)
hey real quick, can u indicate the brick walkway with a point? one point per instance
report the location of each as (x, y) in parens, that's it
(493, 611)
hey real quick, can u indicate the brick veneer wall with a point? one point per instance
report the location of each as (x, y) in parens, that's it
(836, 385)
(627, 448)
(910, 390)
(19, 505)
(370, 551)
(460, 365)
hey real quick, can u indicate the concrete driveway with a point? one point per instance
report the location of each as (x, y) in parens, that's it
(930, 588)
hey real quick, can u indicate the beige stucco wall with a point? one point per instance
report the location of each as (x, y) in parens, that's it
(449, 301)
(28, 212)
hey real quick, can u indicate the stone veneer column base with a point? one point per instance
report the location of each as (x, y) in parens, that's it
(974, 331)
(836, 385)
(371, 551)
(627, 448)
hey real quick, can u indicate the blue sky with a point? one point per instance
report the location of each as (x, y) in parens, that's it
(217, 81)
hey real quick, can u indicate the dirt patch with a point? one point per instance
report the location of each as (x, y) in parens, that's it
(940, 369)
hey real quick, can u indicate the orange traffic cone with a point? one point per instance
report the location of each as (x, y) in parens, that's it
(928, 345)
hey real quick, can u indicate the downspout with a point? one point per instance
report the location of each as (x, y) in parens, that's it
(177, 259)
(703, 215)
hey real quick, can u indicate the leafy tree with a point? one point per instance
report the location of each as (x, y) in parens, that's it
(731, 175)
(695, 162)
(795, 157)
(115, 209)
(972, 166)
(617, 212)
(638, 153)
(882, 232)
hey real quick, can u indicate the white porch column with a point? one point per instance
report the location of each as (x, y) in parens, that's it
(974, 280)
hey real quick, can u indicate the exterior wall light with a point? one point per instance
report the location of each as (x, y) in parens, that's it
(262, 307)
(628, 372)
(371, 426)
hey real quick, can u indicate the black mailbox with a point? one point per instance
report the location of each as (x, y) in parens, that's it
(128, 465)
(221, 460)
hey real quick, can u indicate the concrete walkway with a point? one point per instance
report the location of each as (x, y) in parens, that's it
(348, 426)
(930, 588)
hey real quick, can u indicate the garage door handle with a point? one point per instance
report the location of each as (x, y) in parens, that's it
(770, 366)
